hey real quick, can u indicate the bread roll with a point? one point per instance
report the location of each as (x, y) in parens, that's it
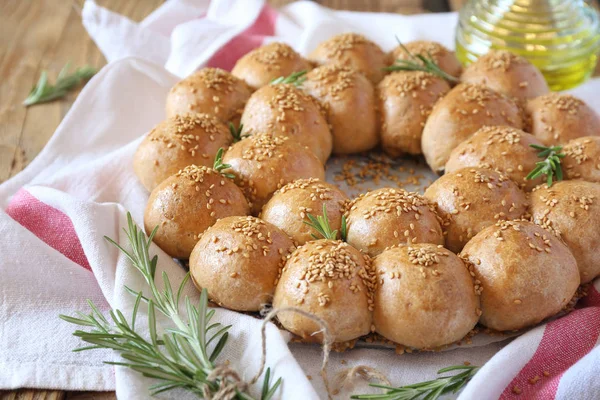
(285, 110)
(211, 91)
(572, 210)
(582, 159)
(177, 142)
(186, 204)
(406, 99)
(271, 61)
(425, 297)
(355, 51)
(289, 206)
(525, 272)
(502, 148)
(387, 217)
(507, 73)
(324, 278)
(444, 58)
(345, 93)
(238, 260)
(556, 118)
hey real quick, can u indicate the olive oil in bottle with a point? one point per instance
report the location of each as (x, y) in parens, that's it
(560, 37)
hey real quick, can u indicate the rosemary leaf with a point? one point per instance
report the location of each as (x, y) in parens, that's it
(180, 358)
(237, 132)
(296, 79)
(427, 390)
(44, 92)
(219, 166)
(321, 225)
(550, 166)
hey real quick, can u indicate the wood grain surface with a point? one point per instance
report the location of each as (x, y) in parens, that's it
(38, 35)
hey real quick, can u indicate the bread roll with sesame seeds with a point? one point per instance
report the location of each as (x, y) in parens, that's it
(556, 118)
(177, 142)
(507, 73)
(424, 297)
(502, 148)
(386, 217)
(237, 260)
(345, 93)
(405, 100)
(572, 210)
(444, 58)
(285, 110)
(471, 199)
(329, 279)
(289, 206)
(525, 273)
(260, 66)
(264, 163)
(355, 51)
(212, 91)
(186, 204)
(465, 109)
(582, 159)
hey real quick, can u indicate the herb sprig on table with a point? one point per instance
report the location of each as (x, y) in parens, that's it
(428, 390)
(550, 166)
(182, 357)
(419, 62)
(44, 91)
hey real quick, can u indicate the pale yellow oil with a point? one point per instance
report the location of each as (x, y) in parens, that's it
(560, 37)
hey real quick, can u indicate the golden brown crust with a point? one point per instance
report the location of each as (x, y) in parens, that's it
(424, 297)
(406, 99)
(212, 91)
(238, 260)
(556, 118)
(387, 217)
(324, 277)
(289, 206)
(464, 110)
(572, 209)
(285, 110)
(345, 94)
(355, 51)
(443, 57)
(502, 148)
(260, 66)
(582, 159)
(507, 73)
(177, 142)
(186, 204)
(526, 273)
(264, 163)
(470, 199)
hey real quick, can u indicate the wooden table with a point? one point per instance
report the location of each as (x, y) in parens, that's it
(38, 35)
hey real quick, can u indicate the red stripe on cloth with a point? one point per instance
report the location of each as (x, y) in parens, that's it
(565, 341)
(248, 40)
(50, 225)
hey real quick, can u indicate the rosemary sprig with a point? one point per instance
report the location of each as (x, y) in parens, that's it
(420, 62)
(428, 390)
(181, 357)
(320, 223)
(43, 91)
(237, 132)
(219, 166)
(550, 166)
(296, 79)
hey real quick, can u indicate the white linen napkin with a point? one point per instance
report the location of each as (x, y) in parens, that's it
(78, 188)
